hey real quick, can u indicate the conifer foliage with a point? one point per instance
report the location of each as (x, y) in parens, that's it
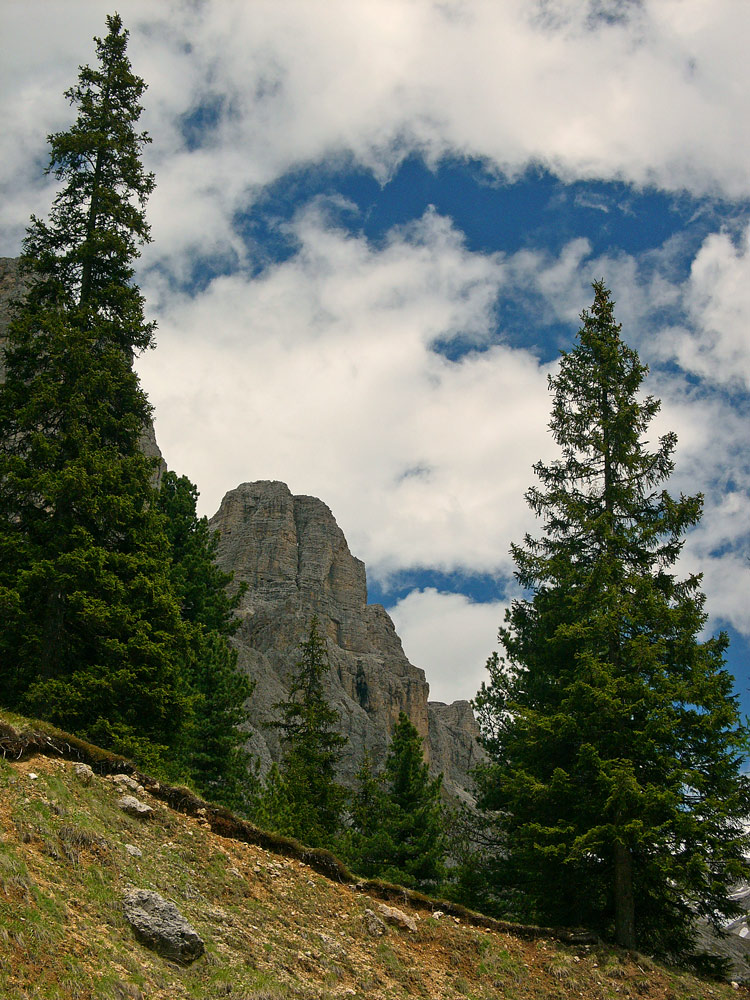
(614, 737)
(302, 797)
(92, 634)
(212, 750)
(397, 831)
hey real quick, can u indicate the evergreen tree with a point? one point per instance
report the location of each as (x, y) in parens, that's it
(614, 736)
(302, 797)
(92, 636)
(397, 830)
(212, 743)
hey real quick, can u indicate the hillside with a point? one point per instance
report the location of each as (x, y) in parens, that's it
(274, 926)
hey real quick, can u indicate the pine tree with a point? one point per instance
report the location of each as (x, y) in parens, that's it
(302, 797)
(397, 831)
(212, 752)
(614, 736)
(92, 636)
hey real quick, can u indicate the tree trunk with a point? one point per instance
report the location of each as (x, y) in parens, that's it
(624, 899)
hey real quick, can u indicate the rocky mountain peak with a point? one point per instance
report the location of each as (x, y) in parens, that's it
(296, 563)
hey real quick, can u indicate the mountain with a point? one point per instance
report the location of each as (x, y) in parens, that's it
(295, 561)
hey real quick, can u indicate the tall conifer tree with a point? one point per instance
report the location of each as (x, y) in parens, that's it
(92, 636)
(398, 826)
(212, 751)
(614, 734)
(302, 797)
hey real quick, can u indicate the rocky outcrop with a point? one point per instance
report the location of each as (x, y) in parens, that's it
(453, 734)
(12, 287)
(296, 563)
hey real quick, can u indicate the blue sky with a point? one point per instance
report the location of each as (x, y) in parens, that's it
(375, 227)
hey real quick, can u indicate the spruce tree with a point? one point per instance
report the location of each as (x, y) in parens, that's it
(614, 735)
(398, 831)
(302, 797)
(212, 752)
(92, 635)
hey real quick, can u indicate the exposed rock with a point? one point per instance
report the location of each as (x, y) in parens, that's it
(397, 917)
(733, 944)
(453, 733)
(134, 807)
(374, 926)
(11, 287)
(296, 563)
(133, 851)
(159, 925)
(84, 773)
(127, 781)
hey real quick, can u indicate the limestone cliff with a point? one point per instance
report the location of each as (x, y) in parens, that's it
(11, 287)
(296, 563)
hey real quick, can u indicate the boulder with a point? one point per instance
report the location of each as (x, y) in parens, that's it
(159, 925)
(397, 917)
(134, 807)
(84, 773)
(374, 926)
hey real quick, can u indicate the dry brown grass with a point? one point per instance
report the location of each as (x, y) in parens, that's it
(278, 923)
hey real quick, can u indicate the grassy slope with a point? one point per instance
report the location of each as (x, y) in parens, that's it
(275, 928)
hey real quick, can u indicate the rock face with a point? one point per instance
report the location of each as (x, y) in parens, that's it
(296, 563)
(11, 287)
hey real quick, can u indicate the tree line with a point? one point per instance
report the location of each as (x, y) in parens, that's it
(613, 794)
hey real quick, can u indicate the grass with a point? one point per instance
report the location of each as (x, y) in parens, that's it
(274, 927)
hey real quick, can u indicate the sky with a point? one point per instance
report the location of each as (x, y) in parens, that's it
(374, 229)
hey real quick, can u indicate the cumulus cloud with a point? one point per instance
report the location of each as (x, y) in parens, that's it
(715, 344)
(657, 97)
(321, 372)
(450, 637)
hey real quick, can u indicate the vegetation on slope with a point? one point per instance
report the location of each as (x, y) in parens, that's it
(274, 927)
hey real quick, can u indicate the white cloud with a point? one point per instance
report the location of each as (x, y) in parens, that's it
(659, 97)
(449, 636)
(321, 373)
(717, 300)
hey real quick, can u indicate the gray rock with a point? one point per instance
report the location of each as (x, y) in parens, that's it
(126, 781)
(11, 287)
(134, 807)
(374, 926)
(133, 851)
(159, 925)
(84, 773)
(296, 563)
(397, 917)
